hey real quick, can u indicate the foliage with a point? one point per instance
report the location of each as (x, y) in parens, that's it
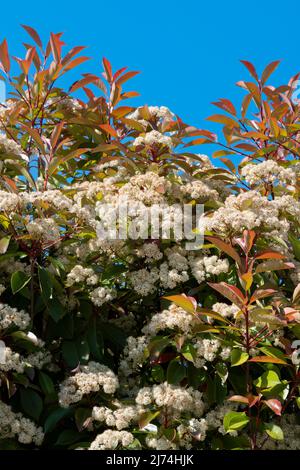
(134, 343)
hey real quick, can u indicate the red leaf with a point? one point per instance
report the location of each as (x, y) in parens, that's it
(261, 294)
(32, 32)
(74, 51)
(230, 292)
(226, 105)
(275, 405)
(75, 62)
(269, 254)
(269, 70)
(88, 78)
(239, 399)
(119, 72)
(122, 111)
(251, 68)
(108, 69)
(108, 129)
(56, 44)
(227, 121)
(129, 94)
(228, 249)
(126, 77)
(4, 56)
(246, 241)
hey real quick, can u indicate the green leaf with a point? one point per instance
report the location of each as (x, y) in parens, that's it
(95, 341)
(31, 403)
(268, 379)
(234, 421)
(18, 281)
(222, 371)
(4, 242)
(56, 309)
(82, 416)
(189, 353)
(238, 357)
(46, 286)
(176, 372)
(83, 349)
(157, 373)
(54, 418)
(296, 246)
(147, 417)
(274, 431)
(70, 354)
(67, 437)
(46, 383)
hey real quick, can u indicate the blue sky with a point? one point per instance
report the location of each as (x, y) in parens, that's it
(187, 51)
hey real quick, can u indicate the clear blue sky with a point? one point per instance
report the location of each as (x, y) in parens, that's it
(187, 51)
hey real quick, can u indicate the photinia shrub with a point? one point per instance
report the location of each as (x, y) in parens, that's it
(137, 343)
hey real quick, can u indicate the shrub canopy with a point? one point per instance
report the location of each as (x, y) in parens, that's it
(142, 343)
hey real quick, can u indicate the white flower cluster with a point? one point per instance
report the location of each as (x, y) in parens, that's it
(11, 316)
(102, 295)
(194, 429)
(110, 440)
(9, 202)
(250, 210)
(90, 378)
(208, 350)
(14, 361)
(176, 271)
(169, 278)
(133, 355)
(79, 274)
(14, 424)
(175, 400)
(200, 191)
(148, 188)
(10, 148)
(269, 172)
(153, 138)
(203, 267)
(51, 198)
(45, 230)
(157, 113)
(173, 318)
(121, 418)
(143, 281)
(160, 443)
(150, 251)
(226, 310)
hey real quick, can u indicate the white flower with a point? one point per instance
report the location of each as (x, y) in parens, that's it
(269, 172)
(90, 378)
(14, 424)
(153, 138)
(101, 295)
(110, 440)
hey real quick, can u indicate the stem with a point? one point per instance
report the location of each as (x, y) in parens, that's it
(32, 264)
